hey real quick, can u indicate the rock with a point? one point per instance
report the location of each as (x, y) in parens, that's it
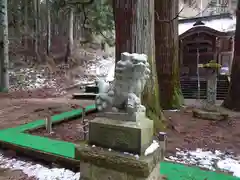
(209, 115)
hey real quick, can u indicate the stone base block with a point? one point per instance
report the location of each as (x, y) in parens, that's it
(92, 172)
(122, 136)
(209, 115)
(123, 116)
(102, 164)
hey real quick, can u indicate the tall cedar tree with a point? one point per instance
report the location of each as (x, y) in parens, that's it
(167, 59)
(134, 24)
(232, 100)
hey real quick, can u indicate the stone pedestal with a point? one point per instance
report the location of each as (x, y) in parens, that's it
(123, 116)
(210, 115)
(102, 164)
(211, 90)
(124, 136)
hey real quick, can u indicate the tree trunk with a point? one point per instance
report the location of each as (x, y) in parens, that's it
(81, 29)
(167, 45)
(75, 29)
(16, 18)
(134, 22)
(48, 27)
(25, 23)
(4, 76)
(36, 40)
(70, 34)
(38, 23)
(233, 99)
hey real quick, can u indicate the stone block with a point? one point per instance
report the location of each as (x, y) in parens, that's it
(102, 164)
(91, 89)
(120, 135)
(123, 116)
(209, 115)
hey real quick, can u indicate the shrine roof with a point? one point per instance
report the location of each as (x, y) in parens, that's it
(221, 23)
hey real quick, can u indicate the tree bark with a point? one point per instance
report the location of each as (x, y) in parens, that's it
(70, 34)
(36, 40)
(25, 23)
(4, 58)
(232, 100)
(16, 19)
(134, 23)
(48, 27)
(38, 23)
(167, 45)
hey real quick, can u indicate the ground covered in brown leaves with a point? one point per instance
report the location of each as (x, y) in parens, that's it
(184, 132)
(26, 107)
(71, 131)
(188, 133)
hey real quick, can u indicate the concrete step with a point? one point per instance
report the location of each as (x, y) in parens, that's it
(91, 89)
(88, 96)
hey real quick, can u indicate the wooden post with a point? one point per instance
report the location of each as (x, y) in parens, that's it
(162, 138)
(48, 124)
(230, 64)
(85, 124)
(85, 131)
(83, 113)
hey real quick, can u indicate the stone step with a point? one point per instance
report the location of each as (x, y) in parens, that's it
(91, 89)
(89, 96)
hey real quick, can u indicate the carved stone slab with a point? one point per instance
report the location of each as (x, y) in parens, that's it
(121, 135)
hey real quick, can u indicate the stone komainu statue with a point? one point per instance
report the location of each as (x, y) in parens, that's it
(124, 93)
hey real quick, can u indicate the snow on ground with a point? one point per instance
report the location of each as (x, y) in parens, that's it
(206, 159)
(38, 171)
(104, 68)
(210, 160)
(27, 78)
(30, 78)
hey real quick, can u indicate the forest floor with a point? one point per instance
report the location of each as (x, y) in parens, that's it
(18, 111)
(35, 94)
(188, 133)
(23, 105)
(184, 132)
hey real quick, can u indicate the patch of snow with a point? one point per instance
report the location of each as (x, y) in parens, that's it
(172, 110)
(209, 160)
(32, 78)
(136, 156)
(105, 69)
(38, 171)
(29, 79)
(151, 148)
(230, 165)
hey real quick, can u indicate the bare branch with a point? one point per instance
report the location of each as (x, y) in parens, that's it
(168, 21)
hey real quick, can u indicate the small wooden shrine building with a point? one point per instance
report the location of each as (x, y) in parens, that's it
(203, 39)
